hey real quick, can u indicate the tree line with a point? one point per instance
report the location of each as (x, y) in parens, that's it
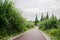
(50, 25)
(46, 22)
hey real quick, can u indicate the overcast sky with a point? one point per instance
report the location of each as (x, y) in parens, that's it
(31, 7)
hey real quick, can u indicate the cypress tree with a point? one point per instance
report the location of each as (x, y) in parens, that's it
(41, 17)
(47, 16)
(36, 20)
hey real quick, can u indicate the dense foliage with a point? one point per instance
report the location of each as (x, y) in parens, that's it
(48, 23)
(11, 20)
(51, 26)
(30, 24)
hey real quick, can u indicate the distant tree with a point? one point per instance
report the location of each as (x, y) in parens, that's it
(52, 15)
(47, 16)
(41, 17)
(53, 22)
(36, 20)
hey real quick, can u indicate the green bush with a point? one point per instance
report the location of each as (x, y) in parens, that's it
(48, 23)
(51, 32)
(11, 20)
(30, 25)
(51, 26)
(54, 33)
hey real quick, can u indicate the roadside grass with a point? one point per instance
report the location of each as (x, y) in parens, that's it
(8, 37)
(54, 34)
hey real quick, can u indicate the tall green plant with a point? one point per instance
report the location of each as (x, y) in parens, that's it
(11, 20)
(42, 18)
(36, 20)
(47, 16)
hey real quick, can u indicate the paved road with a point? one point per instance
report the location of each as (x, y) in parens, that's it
(33, 34)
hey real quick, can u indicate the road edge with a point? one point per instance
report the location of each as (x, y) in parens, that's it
(19, 35)
(45, 35)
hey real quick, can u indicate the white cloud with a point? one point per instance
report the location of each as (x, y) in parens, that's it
(36, 6)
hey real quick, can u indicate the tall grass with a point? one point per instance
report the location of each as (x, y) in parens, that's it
(11, 20)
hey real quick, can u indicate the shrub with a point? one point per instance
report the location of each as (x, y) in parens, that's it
(11, 20)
